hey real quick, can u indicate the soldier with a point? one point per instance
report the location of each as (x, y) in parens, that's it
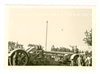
(72, 62)
(79, 60)
(87, 61)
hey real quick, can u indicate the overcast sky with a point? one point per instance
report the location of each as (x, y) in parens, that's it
(66, 26)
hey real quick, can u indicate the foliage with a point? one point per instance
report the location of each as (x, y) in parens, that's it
(87, 53)
(88, 38)
(63, 49)
(12, 45)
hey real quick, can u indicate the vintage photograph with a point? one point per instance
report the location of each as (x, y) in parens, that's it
(49, 35)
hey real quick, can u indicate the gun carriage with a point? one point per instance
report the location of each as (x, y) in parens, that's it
(18, 56)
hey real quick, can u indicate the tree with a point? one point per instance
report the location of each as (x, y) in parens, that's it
(82, 51)
(74, 49)
(61, 49)
(57, 49)
(53, 48)
(88, 38)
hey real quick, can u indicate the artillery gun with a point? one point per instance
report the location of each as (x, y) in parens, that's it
(34, 55)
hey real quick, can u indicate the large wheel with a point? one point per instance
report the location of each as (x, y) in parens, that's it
(19, 58)
(74, 58)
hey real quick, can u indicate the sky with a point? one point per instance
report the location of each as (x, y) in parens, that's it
(66, 26)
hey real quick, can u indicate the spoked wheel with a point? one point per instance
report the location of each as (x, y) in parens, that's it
(19, 58)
